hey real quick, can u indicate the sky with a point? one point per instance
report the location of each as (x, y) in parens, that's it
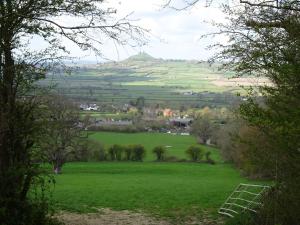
(172, 34)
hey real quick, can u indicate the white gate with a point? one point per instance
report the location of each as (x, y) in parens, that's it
(244, 197)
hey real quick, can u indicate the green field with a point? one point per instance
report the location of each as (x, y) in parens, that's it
(165, 189)
(164, 82)
(177, 144)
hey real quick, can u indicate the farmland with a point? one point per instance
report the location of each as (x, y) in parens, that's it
(172, 190)
(163, 82)
(176, 144)
(163, 189)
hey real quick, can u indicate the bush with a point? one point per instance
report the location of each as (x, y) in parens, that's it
(100, 154)
(128, 150)
(138, 152)
(160, 152)
(122, 129)
(195, 153)
(208, 159)
(244, 218)
(115, 152)
(88, 150)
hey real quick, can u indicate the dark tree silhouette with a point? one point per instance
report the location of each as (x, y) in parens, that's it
(21, 20)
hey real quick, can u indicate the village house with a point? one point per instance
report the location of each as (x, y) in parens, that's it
(89, 107)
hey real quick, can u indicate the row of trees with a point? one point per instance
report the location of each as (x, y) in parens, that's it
(94, 151)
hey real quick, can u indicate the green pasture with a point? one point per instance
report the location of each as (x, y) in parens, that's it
(164, 189)
(176, 144)
(175, 190)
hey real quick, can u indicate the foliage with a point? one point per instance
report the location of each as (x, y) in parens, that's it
(123, 129)
(176, 144)
(244, 218)
(264, 41)
(62, 130)
(100, 154)
(128, 150)
(115, 152)
(160, 152)
(20, 68)
(139, 152)
(195, 153)
(208, 159)
(89, 150)
(202, 128)
(140, 103)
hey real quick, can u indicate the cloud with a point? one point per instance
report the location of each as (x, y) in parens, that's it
(173, 34)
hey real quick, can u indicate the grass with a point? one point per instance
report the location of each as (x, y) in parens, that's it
(166, 189)
(163, 189)
(177, 144)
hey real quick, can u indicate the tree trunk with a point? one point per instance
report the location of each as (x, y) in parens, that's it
(57, 168)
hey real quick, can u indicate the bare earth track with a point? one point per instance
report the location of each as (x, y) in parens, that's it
(125, 217)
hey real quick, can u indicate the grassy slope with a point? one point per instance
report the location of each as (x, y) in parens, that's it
(163, 189)
(178, 143)
(159, 81)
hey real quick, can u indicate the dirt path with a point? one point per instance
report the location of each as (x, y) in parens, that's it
(110, 217)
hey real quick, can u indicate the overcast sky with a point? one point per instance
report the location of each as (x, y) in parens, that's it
(173, 34)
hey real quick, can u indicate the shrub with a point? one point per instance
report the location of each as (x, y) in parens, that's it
(244, 218)
(195, 153)
(100, 154)
(138, 152)
(115, 152)
(88, 150)
(160, 152)
(128, 150)
(122, 129)
(208, 159)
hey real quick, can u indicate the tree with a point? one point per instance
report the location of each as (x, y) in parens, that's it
(247, 147)
(264, 41)
(128, 153)
(202, 129)
(160, 152)
(116, 152)
(195, 153)
(62, 131)
(140, 103)
(138, 152)
(20, 20)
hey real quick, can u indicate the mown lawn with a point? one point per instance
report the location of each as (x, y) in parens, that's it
(177, 144)
(163, 189)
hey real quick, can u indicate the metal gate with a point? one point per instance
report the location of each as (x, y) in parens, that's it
(244, 197)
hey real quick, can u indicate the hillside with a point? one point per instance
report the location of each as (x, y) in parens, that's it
(172, 83)
(142, 56)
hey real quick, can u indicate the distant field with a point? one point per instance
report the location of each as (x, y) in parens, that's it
(177, 143)
(161, 82)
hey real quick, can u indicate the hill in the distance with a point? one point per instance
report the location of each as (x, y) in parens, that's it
(172, 83)
(142, 56)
